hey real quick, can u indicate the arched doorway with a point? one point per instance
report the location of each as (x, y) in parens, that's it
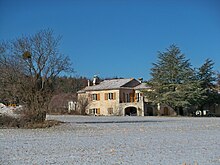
(165, 111)
(181, 113)
(150, 111)
(130, 111)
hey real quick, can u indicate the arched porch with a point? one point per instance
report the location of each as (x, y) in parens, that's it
(130, 111)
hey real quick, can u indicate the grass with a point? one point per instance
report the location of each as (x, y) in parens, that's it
(11, 122)
(45, 124)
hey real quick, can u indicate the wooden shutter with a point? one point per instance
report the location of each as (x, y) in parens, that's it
(89, 97)
(124, 98)
(106, 96)
(135, 97)
(131, 97)
(98, 96)
(114, 96)
(98, 110)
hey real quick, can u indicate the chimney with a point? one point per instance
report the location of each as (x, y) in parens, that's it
(140, 80)
(88, 83)
(94, 80)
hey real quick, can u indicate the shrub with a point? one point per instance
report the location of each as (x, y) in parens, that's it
(9, 121)
(27, 121)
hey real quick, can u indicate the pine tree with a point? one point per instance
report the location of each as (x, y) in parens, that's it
(207, 77)
(206, 74)
(218, 81)
(173, 81)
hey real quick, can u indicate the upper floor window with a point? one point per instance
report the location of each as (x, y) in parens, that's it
(109, 96)
(137, 97)
(95, 97)
(127, 98)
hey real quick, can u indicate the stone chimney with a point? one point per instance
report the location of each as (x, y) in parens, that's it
(95, 80)
(88, 83)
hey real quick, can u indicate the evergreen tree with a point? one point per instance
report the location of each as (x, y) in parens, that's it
(206, 74)
(218, 81)
(207, 77)
(173, 80)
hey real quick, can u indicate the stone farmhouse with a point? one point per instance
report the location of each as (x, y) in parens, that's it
(120, 97)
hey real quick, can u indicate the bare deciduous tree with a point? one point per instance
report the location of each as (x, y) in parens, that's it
(82, 103)
(29, 66)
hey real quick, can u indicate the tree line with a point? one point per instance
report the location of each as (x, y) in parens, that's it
(32, 69)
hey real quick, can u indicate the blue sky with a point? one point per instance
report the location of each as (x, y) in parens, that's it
(119, 37)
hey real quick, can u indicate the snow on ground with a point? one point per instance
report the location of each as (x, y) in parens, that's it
(115, 140)
(9, 110)
(2, 105)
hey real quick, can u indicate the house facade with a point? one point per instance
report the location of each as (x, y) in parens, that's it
(119, 97)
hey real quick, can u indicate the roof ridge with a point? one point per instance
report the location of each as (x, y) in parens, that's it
(108, 84)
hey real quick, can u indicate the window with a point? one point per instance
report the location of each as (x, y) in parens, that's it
(95, 97)
(127, 98)
(138, 97)
(110, 96)
(124, 98)
(94, 111)
(110, 111)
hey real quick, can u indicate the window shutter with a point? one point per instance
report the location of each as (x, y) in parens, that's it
(135, 97)
(98, 110)
(98, 96)
(124, 98)
(106, 96)
(114, 96)
(90, 97)
(131, 97)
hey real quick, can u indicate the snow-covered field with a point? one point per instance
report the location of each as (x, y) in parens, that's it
(115, 140)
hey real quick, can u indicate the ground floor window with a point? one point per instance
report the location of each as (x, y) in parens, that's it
(94, 111)
(110, 111)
